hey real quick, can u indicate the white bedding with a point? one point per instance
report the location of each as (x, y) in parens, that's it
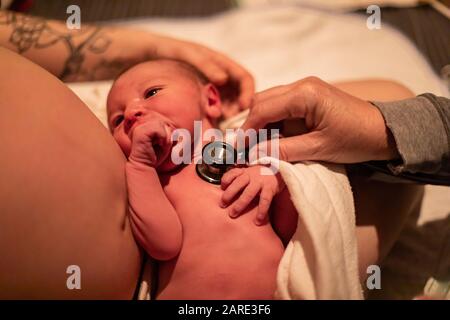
(283, 44)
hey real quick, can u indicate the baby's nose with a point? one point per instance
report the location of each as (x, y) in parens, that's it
(130, 119)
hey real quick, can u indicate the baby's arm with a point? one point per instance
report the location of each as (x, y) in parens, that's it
(154, 221)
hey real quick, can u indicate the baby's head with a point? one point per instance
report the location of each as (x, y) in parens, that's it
(172, 90)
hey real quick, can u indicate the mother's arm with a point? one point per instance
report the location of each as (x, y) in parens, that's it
(90, 53)
(102, 52)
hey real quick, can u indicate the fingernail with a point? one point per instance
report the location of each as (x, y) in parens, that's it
(233, 214)
(222, 205)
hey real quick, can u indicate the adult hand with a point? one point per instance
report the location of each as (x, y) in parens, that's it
(234, 82)
(340, 127)
(102, 52)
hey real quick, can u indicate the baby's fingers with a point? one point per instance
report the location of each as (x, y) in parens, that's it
(265, 200)
(245, 199)
(229, 176)
(149, 131)
(234, 188)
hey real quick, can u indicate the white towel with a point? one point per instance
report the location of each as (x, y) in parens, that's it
(320, 261)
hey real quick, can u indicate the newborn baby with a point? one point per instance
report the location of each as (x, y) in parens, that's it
(181, 220)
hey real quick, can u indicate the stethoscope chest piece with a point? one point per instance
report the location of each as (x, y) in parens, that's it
(217, 158)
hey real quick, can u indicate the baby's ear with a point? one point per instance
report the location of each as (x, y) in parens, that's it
(213, 105)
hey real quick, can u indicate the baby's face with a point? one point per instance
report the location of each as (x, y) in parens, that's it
(154, 89)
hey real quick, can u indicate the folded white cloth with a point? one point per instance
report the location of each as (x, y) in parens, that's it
(320, 261)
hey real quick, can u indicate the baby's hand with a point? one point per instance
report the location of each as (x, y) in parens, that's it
(150, 143)
(251, 184)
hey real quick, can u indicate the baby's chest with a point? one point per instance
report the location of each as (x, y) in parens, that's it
(186, 188)
(197, 203)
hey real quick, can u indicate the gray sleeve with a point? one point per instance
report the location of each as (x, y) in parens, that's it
(421, 129)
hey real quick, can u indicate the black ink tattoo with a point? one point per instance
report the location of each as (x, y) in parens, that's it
(32, 32)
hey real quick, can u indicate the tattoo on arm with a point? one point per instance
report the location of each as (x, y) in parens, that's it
(35, 33)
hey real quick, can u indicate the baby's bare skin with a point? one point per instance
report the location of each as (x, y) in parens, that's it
(220, 258)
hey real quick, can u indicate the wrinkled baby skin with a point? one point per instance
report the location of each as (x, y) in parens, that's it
(179, 219)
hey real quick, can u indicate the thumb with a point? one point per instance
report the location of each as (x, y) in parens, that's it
(274, 105)
(307, 146)
(252, 121)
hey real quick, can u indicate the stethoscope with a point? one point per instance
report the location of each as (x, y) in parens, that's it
(217, 158)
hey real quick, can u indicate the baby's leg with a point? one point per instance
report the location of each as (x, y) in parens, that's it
(62, 193)
(381, 208)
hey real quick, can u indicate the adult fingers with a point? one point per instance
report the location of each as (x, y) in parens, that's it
(277, 105)
(271, 92)
(240, 75)
(289, 101)
(308, 146)
(207, 65)
(201, 57)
